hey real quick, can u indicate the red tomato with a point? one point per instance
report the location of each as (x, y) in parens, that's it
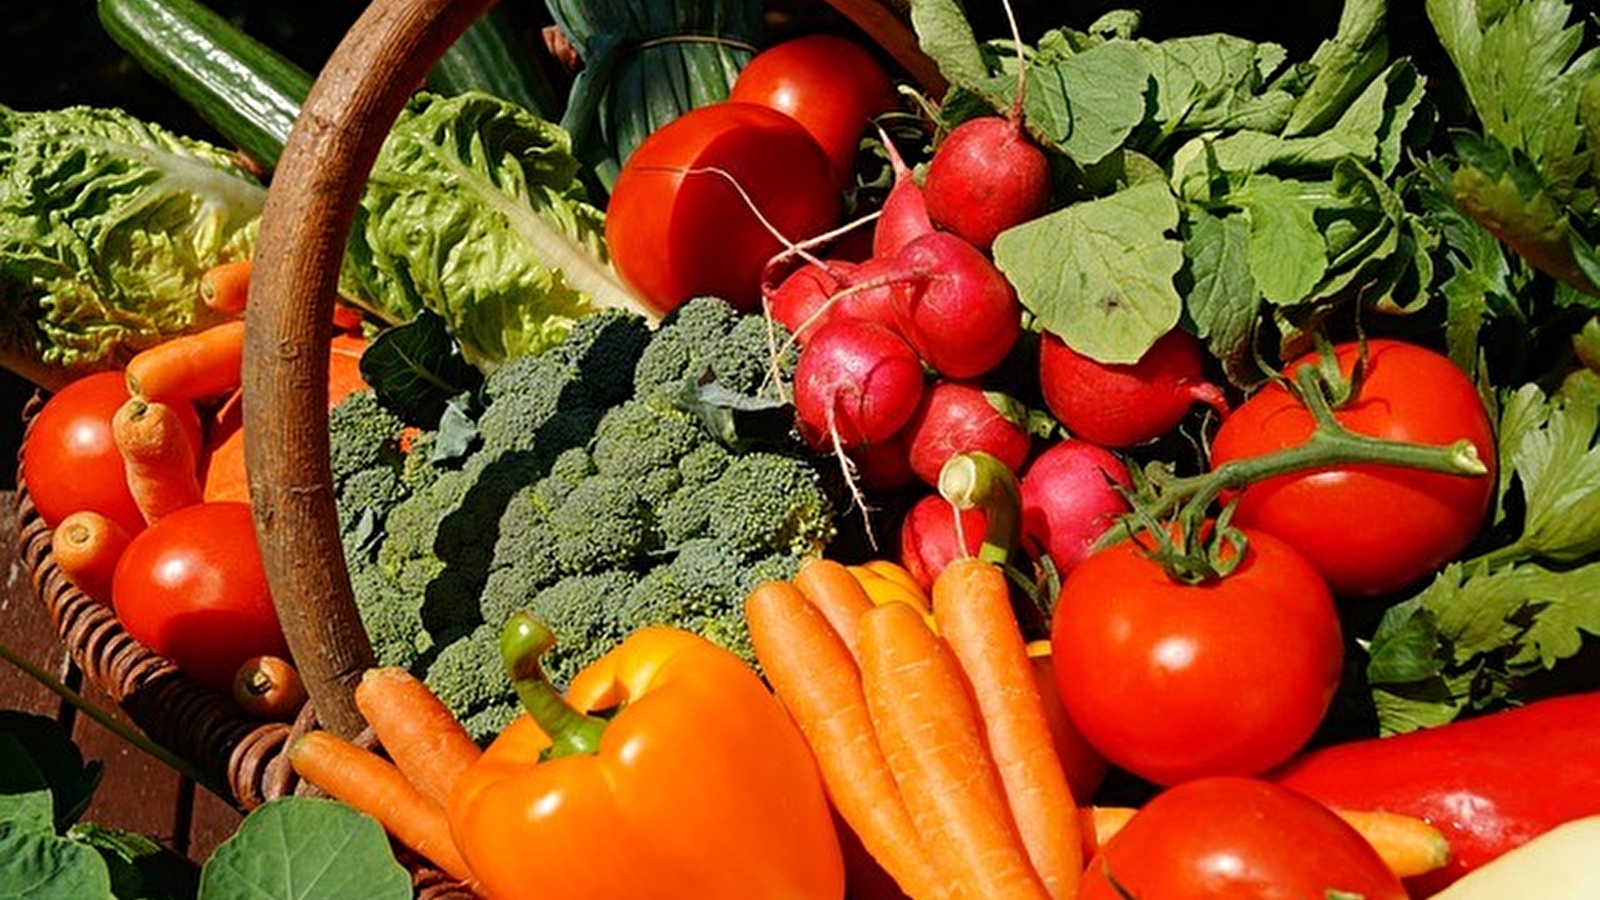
(682, 219)
(70, 460)
(192, 588)
(829, 84)
(1370, 529)
(1239, 839)
(1173, 681)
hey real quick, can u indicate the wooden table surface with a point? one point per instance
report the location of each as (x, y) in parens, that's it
(136, 792)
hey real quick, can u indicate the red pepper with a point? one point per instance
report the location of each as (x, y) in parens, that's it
(1488, 783)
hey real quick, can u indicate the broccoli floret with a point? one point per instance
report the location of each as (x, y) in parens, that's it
(761, 502)
(469, 677)
(604, 524)
(644, 436)
(365, 496)
(702, 589)
(583, 613)
(362, 435)
(706, 336)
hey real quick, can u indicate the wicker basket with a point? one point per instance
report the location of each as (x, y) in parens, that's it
(310, 206)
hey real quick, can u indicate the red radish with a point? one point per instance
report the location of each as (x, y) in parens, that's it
(987, 176)
(856, 383)
(1120, 405)
(904, 215)
(885, 465)
(954, 306)
(1069, 499)
(958, 417)
(813, 294)
(934, 532)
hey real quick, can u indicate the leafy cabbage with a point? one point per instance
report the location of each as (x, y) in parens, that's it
(474, 211)
(106, 224)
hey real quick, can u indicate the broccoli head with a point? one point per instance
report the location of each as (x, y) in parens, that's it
(707, 339)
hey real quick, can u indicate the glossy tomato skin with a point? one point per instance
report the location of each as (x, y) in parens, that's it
(1370, 529)
(1172, 681)
(70, 460)
(1240, 839)
(676, 225)
(831, 85)
(192, 588)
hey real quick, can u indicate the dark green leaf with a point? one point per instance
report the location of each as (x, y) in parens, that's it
(416, 369)
(299, 848)
(70, 780)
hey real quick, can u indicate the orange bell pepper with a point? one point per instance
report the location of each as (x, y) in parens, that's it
(668, 771)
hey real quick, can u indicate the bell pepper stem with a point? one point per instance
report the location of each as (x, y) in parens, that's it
(522, 642)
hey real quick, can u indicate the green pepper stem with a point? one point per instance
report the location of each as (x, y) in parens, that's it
(522, 642)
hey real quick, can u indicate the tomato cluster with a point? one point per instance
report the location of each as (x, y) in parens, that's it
(185, 579)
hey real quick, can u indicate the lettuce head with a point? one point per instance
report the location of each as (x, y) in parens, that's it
(107, 223)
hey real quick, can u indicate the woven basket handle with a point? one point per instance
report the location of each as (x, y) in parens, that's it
(319, 179)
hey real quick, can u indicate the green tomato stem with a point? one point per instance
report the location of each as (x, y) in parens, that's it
(522, 642)
(1330, 444)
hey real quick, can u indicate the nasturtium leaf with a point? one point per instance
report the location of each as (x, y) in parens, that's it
(42, 865)
(1099, 273)
(301, 848)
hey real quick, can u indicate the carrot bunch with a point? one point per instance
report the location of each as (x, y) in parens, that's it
(929, 730)
(405, 788)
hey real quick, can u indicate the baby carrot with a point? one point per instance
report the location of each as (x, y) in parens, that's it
(159, 458)
(1408, 845)
(86, 546)
(934, 744)
(225, 287)
(204, 363)
(972, 607)
(423, 737)
(373, 785)
(814, 676)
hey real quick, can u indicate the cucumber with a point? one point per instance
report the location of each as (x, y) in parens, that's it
(489, 57)
(244, 89)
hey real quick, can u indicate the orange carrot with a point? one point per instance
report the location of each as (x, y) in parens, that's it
(204, 363)
(813, 675)
(425, 740)
(86, 546)
(972, 607)
(1408, 845)
(225, 287)
(373, 785)
(836, 592)
(158, 457)
(933, 742)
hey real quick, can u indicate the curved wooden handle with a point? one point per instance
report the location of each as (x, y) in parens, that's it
(309, 210)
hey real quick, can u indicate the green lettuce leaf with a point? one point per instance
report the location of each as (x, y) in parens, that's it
(106, 224)
(474, 211)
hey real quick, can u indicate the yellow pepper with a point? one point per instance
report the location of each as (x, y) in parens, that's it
(668, 771)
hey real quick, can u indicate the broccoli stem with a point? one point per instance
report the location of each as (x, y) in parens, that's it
(522, 642)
